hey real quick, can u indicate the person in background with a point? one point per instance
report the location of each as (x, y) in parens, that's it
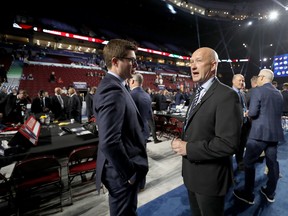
(237, 85)
(275, 84)
(144, 104)
(46, 102)
(23, 77)
(187, 95)
(211, 135)
(52, 77)
(122, 161)
(265, 111)
(59, 80)
(15, 107)
(285, 99)
(58, 105)
(253, 82)
(151, 121)
(64, 90)
(37, 104)
(30, 77)
(179, 97)
(89, 102)
(74, 105)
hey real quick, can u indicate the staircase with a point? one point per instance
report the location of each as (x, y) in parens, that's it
(14, 74)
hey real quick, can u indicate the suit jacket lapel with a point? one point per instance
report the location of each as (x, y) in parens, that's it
(204, 98)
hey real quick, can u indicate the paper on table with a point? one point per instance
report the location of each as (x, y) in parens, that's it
(64, 123)
(8, 132)
(7, 170)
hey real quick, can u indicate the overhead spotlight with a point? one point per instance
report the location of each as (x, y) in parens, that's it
(273, 15)
(171, 9)
(249, 23)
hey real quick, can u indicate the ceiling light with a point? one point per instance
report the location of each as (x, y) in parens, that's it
(273, 15)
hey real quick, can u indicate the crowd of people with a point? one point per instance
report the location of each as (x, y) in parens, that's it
(61, 106)
(221, 121)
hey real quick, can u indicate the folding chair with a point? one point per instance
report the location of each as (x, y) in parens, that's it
(6, 194)
(36, 181)
(176, 127)
(160, 125)
(81, 161)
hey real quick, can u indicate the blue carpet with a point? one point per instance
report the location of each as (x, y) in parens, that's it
(175, 202)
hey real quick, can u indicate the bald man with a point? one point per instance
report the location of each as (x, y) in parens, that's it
(210, 137)
(265, 110)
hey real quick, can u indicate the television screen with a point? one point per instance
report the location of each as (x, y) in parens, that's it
(280, 65)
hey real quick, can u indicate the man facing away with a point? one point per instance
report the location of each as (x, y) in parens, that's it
(122, 161)
(210, 137)
(265, 111)
(144, 104)
(253, 82)
(284, 93)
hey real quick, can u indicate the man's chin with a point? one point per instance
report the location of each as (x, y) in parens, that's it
(196, 79)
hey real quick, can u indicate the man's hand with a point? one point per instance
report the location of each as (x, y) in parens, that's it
(179, 146)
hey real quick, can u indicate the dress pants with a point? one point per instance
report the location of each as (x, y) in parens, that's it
(151, 123)
(204, 205)
(254, 148)
(122, 195)
(245, 129)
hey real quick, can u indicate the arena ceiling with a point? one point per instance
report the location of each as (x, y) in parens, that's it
(151, 23)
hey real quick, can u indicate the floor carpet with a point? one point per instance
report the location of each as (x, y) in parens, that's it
(175, 202)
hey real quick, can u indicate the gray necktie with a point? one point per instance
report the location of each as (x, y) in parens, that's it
(243, 105)
(60, 101)
(193, 104)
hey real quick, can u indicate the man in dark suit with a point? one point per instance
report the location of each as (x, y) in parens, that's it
(238, 81)
(15, 106)
(253, 82)
(122, 159)
(89, 102)
(144, 104)
(57, 105)
(265, 110)
(285, 99)
(37, 105)
(74, 105)
(210, 137)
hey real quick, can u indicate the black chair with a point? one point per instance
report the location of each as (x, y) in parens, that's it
(6, 194)
(36, 182)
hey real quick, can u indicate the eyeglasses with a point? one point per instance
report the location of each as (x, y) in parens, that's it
(260, 76)
(132, 60)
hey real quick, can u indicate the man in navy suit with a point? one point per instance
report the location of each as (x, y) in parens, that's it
(122, 161)
(265, 110)
(144, 104)
(210, 137)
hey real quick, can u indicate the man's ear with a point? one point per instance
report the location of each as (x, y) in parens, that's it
(114, 61)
